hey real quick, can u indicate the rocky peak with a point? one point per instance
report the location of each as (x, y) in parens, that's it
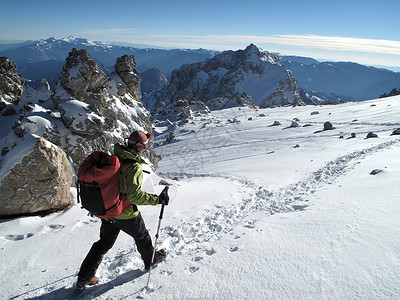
(11, 83)
(233, 78)
(81, 73)
(125, 67)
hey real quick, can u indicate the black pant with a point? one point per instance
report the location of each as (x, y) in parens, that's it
(109, 231)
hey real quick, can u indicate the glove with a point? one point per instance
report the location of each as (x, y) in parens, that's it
(163, 198)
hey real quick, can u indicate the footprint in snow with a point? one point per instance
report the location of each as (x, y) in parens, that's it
(193, 269)
(18, 237)
(51, 228)
(299, 207)
(234, 249)
(210, 252)
(56, 226)
(197, 258)
(166, 273)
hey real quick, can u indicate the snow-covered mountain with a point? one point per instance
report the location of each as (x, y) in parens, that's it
(38, 59)
(347, 80)
(261, 212)
(233, 78)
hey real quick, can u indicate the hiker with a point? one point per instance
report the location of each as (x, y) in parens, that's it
(130, 221)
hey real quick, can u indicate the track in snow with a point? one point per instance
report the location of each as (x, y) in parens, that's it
(220, 220)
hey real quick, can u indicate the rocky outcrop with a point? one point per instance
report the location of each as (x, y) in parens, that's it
(37, 181)
(233, 78)
(11, 85)
(81, 75)
(393, 92)
(87, 111)
(288, 93)
(95, 106)
(126, 69)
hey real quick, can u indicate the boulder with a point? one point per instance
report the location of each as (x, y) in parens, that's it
(35, 178)
(276, 123)
(396, 132)
(371, 135)
(328, 126)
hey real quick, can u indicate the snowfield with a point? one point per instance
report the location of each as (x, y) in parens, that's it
(260, 212)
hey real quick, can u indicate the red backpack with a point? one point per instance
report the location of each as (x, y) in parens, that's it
(98, 186)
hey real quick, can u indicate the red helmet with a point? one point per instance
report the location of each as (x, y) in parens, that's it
(138, 139)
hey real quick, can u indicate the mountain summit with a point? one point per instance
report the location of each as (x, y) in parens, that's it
(232, 78)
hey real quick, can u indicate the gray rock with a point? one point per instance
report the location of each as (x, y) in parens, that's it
(11, 83)
(328, 126)
(94, 105)
(371, 135)
(81, 74)
(276, 123)
(40, 182)
(396, 132)
(126, 69)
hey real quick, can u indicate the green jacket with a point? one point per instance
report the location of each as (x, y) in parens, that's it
(130, 181)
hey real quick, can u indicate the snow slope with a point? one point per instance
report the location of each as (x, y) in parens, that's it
(261, 212)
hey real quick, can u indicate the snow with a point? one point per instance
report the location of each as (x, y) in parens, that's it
(15, 157)
(255, 216)
(255, 84)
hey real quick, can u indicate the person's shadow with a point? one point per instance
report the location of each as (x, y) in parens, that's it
(92, 292)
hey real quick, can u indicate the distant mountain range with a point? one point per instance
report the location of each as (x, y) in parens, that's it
(45, 58)
(51, 51)
(349, 79)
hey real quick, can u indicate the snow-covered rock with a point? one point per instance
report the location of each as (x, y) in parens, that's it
(81, 74)
(11, 85)
(97, 108)
(35, 177)
(233, 78)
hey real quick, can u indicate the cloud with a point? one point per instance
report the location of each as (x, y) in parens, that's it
(341, 43)
(306, 41)
(362, 50)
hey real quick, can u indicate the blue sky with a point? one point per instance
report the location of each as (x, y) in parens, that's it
(362, 31)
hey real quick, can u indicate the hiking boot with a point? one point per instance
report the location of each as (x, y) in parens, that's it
(159, 257)
(81, 284)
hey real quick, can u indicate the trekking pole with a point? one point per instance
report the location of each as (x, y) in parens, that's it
(155, 243)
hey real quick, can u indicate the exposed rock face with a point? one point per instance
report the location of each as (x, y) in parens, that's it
(153, 79)
(393, 92)
(125, 68)
(81, 74)
(288, 93)
(233, 78)
(40, 182)
(95, 106)
(11, 85)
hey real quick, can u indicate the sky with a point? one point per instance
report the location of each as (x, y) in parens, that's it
(362, 31)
